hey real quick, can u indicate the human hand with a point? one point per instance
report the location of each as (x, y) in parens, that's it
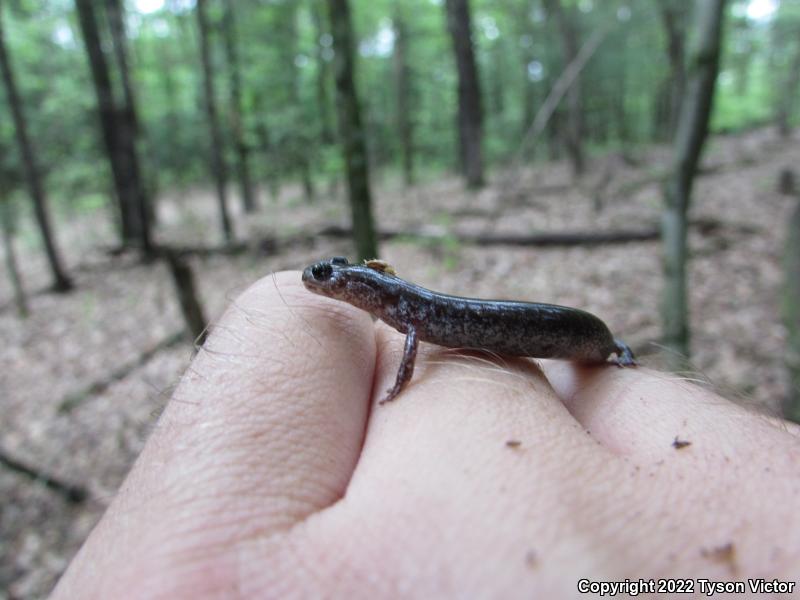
(273, 472)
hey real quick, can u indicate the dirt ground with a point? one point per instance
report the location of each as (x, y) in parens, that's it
(123, 309)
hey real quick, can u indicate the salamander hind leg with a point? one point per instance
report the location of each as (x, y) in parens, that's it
(625, 357)
(406, 369)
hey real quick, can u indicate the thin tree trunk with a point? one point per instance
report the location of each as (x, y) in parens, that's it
(674, 15)
(116, 24)
(128, 127)
(547, 112)
(555, 143)
(497, 85)
(530, 99)
(791, 316)
(740, 62)
(61, 281)
(618, 98)
(109, 123)
(351, 130)
(215, 151)
(573, 130)
(7, 224)
(300, 144)
(237, 126)
(788, 94)
(265, 145)
(527, 32)
(402, 74)
(689, 139)
(163, 52)
(470, 112)
(323, 74)
(621, 114)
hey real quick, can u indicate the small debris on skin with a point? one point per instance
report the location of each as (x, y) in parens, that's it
(380, 265)
(513, 443)
(725, 554)
(678, 444)
(531, 559)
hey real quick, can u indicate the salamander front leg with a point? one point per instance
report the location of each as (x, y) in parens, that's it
(406, 366)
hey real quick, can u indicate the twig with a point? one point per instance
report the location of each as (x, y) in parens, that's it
(75, 399)
(72, 493)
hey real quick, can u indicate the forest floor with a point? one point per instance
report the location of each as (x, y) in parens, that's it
(123, 316)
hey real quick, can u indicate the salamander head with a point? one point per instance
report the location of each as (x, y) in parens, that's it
(370, 286)
(327, 277)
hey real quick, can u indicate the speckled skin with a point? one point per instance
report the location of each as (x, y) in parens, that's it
(506, 327)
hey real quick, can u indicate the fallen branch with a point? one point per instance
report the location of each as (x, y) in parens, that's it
(188, 298)
(573, 238)
(705, 226)
(72, 493)
(564, 238)
(75, 399)
(161, 251)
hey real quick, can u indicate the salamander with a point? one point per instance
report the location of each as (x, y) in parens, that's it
(502, 326)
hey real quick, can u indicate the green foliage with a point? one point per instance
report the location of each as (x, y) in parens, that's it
(285, 52)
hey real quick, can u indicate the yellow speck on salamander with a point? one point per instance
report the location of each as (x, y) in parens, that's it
(380, 265)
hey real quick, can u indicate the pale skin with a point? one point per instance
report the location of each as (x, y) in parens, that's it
(274, 473)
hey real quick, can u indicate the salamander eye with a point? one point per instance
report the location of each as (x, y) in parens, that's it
(339, 260)
(321, 271)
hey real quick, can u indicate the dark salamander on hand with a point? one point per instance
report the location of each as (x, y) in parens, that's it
(502, 326)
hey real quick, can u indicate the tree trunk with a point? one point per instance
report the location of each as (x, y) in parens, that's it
(402, 75)
(7, 224)
(216, 157)
(497, 85)
(164, 52)
(299, 142)
(111, 125)
(548, 110)
(621, 114)
(470, 112)
(237, 126)
(323, 74)
(786, 182)
(787, 95)
(128, 128)
(573, 128)
(791, 316)
(527, 33)
(674, 15)
(267, 149)
(530, 99)
(351, 130)
(114, 12)
(61, 281)
(619, 95)
(689, 139)
(555, 143)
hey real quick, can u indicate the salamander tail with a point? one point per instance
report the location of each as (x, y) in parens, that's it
(625, 357)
